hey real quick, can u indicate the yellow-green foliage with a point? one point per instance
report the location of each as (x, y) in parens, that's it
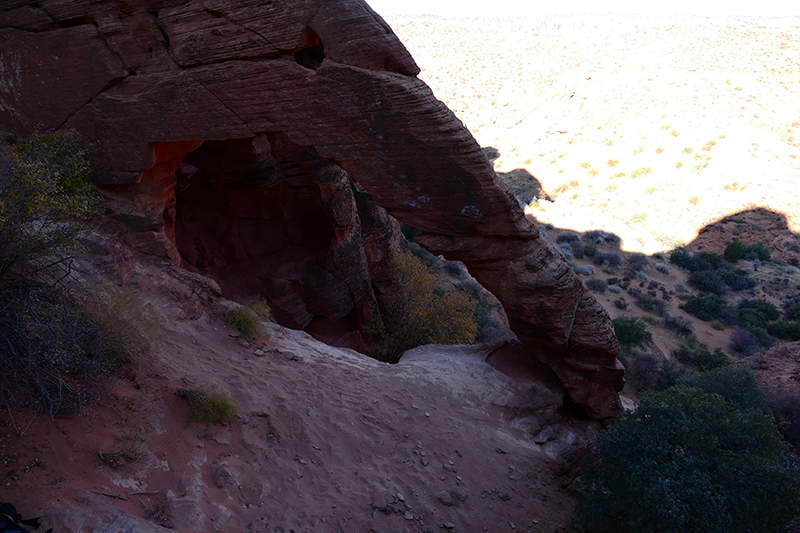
(53, 352)
(419, 312)
(45, 187)
(245, 321)
(210, 406)
(261, 308)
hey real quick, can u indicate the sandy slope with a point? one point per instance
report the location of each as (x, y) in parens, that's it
(648, 130)
(326, 440)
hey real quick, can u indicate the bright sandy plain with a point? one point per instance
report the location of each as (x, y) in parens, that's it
(647, 127)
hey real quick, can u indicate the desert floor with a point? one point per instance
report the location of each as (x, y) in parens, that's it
(651, 131)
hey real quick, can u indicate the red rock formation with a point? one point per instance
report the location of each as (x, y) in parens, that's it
(247, 139)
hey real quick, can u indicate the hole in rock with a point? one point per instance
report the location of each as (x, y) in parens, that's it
(250, 214)
(311, 53)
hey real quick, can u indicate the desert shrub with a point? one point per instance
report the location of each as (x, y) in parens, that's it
(705, 306)
(685, 460)
(454, 269)
(631, 330)
(671, 374)
(127, 449)
(681, 258)
(701, 358)
(651, 304)
(245, 321)
(734, 251)
(792, 312)
(584, 270)
(610, 259)
(757, 251)
(620, 303)
(765, 311)
(709, 258)
(707, 281)
(616, 289)
(744, 343)
(662, 268)
(678, 324)
(643, 371)
(210, 406)
(786, 408)
(55, 351)
(487, 328)
(597, 285)
(566, 249)
(418, 312)
(568, 237)
(717, 325)
(695, 263)
(638, 261)
(602, 238)
(735, 278)
(789, 331)
(589, 251)
(736, 384)
(260, 307)
(45, 194)
(543, 231)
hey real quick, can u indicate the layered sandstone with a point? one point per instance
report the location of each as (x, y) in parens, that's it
(262, 144)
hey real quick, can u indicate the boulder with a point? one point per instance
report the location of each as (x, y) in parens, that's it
(272, 145)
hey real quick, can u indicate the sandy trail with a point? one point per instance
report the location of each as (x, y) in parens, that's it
(326, 440)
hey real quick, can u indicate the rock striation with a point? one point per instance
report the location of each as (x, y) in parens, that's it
(272, 145)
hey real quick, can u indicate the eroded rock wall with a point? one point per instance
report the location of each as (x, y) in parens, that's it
(322, 103)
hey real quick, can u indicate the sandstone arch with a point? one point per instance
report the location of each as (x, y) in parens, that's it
(154, 81)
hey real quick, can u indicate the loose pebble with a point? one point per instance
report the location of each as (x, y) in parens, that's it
(445, 498)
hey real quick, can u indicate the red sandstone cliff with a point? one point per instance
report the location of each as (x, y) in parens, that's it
(263, 144)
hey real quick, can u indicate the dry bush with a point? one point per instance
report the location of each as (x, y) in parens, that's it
(55, 350)
(127, 449)
(210, 405)
(417, 311)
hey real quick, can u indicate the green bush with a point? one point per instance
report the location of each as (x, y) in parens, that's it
(210, 406)
(735, 278)
(766, 311)
(757, 251)
(789, 331)
(245, 321)
(734, 251)
(706, 306)
(631, 331)
(792, 312)
(260, 307)
(417, 311)
(687, 460)
(701, 358)
(734, 383)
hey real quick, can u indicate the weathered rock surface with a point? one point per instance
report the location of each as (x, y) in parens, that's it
(251, 141)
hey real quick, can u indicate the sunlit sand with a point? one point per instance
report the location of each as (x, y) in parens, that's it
(647, 130)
